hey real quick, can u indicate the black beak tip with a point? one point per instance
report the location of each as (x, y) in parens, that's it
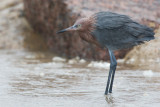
(57, 32)
(61, 31)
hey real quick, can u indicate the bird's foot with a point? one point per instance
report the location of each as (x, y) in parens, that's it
(106, 93)
(110, 91)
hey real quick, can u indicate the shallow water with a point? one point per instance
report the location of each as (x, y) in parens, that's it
(33, 79)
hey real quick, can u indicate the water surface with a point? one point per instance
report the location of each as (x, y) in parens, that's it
(33, 79)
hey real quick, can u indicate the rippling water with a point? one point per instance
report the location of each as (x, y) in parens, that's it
(33, 79)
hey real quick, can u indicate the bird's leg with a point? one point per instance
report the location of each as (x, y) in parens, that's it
(108, 82)
(113, 64)
(110, 73)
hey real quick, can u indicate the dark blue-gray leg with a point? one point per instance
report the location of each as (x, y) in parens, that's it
(113, 64)
(108, 82)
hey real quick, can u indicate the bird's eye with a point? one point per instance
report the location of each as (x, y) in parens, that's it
(78, 26)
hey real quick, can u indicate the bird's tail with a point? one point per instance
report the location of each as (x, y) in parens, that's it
(148, 34)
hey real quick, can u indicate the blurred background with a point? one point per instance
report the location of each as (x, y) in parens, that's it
(39, 68)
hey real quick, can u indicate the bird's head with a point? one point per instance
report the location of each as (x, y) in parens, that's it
(82, 24)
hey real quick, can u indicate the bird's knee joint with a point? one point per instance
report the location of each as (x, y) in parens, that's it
(113, 65)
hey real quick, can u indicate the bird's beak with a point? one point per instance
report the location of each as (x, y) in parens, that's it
(67, 29)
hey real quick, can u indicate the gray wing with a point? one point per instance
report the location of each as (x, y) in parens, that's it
(141, 32)
(110, 20)
(114, 32)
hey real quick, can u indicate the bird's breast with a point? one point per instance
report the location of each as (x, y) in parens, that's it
(88, 37)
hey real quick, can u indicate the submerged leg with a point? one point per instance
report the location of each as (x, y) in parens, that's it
(113, 64)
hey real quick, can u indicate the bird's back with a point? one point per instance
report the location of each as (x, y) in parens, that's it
(116, 31)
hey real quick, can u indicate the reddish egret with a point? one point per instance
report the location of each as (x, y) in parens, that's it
(111, 31)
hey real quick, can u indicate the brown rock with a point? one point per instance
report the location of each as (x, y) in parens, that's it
(146, 56)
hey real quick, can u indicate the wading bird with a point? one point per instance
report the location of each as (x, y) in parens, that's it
(111, 31)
